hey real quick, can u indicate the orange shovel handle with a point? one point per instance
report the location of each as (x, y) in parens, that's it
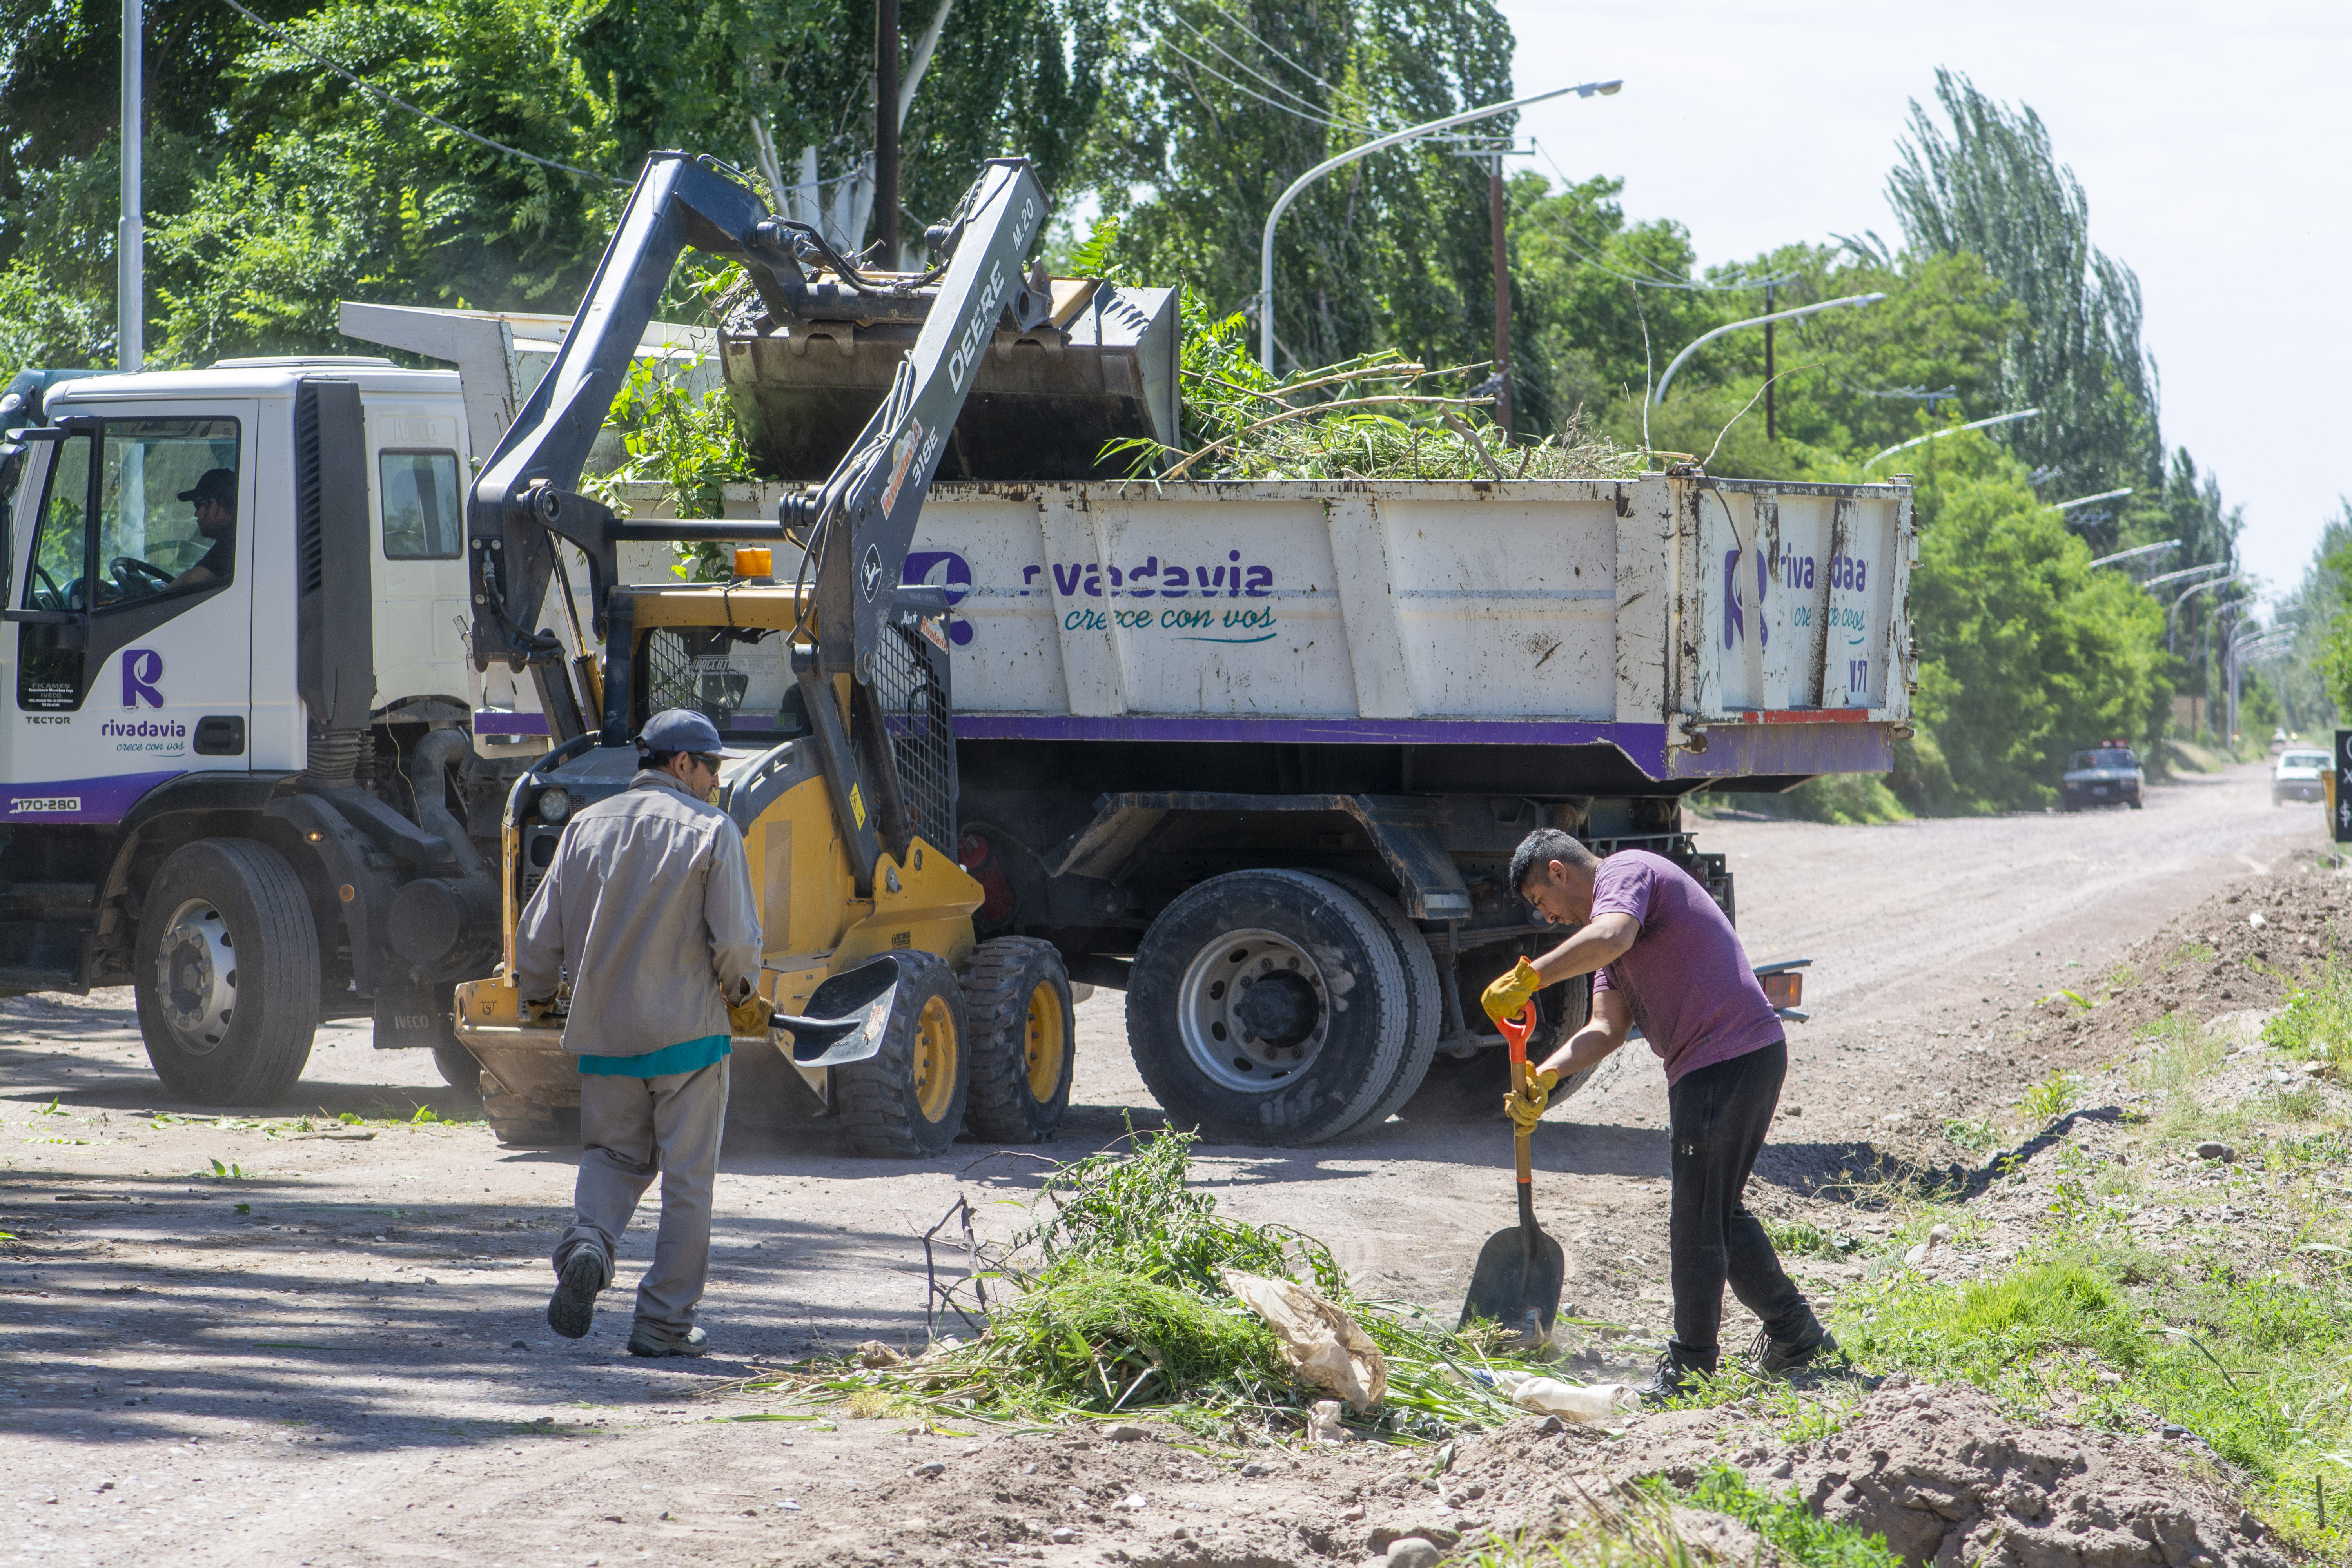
(1517, 1029)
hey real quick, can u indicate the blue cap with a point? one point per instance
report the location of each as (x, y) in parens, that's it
(683, 730)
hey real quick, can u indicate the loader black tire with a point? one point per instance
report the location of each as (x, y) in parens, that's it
(1424, 1001)
(1023, 1029)
(521, 1123)
(1304, 1064)
(225, 969)
(908, 1099)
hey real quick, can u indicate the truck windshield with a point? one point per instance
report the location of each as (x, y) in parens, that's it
(167, 497)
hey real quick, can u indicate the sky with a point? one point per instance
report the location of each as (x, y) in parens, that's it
(2214, 142)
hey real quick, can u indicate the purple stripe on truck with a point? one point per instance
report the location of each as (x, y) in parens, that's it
(499, 721)
(1645, 743)
(79, 799)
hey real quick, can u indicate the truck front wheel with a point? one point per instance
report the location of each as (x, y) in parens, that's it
(1268, 1006)
(227, 967)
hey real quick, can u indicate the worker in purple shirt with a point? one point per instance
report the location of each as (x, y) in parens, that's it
(1662, 954)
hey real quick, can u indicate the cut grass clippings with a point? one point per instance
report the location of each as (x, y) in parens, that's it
(1110, 1302)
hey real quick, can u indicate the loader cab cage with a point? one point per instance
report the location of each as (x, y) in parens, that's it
(741, 679)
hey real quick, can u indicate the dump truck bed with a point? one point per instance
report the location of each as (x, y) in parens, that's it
(1705, 629)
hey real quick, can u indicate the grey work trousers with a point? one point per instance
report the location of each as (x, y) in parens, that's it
(631, 1129)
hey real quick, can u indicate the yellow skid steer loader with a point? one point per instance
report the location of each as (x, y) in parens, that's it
(889, 1016)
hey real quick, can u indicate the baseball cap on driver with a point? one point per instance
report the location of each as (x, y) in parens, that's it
(217, 484)
(684, 730)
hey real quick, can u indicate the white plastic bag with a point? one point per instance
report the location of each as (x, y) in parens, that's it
(1589, 1403)
(1322, 1344)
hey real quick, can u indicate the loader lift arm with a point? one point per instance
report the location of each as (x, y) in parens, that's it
(858, 523)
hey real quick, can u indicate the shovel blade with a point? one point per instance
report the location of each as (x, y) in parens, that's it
(1520, 1273)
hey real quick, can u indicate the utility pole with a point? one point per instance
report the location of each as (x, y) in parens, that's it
(886, 129)
(129, 240)
(1502, 295)
(1769, 434)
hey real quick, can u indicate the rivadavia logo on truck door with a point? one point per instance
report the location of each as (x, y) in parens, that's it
(142, 669)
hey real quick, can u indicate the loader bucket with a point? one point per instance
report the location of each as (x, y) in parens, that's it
(847, 1016)
(1043, 404)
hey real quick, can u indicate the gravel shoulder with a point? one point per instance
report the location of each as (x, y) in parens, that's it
(313, 1333)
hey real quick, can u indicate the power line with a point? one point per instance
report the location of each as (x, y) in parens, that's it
(1366, 104)
(1243, 65)
(1323, 121)
(1741, 286)
(317, 58)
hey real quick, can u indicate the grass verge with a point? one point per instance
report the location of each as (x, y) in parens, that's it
(1643, 1526)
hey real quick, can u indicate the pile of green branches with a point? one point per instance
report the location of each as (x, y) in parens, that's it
(1112, 1300)
(1375, 416)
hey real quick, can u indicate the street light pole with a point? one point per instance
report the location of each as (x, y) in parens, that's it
(2249, 642)
(129, 241)
(1282, 203)
(1502, 296)
(1939, 435)
(2185, 595)
(2138, 551)
(2183, 575)
(1765, 321)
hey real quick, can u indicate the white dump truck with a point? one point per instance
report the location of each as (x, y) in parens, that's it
(1195, 720)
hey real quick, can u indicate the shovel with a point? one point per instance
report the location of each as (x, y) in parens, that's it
(1518, 1280)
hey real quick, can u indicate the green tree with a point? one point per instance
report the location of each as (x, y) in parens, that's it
(1992, 187)
(1212, 110)
(2028, 652)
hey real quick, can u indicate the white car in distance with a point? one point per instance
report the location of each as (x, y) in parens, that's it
(2299, 775)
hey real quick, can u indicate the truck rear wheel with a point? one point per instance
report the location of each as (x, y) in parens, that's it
(1424, 1001)
(908, 1099)
(1465, 1090)
(227, 974)
(1016, 999)
(1268, 1006)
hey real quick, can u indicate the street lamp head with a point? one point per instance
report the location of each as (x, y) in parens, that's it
(1606, 88)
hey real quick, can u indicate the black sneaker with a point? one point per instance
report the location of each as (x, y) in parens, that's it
(572, 1308)
(652, 1339)
(1675, 1375)
(1768, 1357)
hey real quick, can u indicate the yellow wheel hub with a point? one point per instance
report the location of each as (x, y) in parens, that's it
(1047, 1042)
(935, 1059)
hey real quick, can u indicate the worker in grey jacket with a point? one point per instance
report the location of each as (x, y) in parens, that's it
(647, 912)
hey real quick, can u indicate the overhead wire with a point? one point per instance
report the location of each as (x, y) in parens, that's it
(1322, 120)
(1243, 65)
(1741, 286)
(317, 58)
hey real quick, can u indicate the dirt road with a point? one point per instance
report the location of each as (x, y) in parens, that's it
(237, 1339)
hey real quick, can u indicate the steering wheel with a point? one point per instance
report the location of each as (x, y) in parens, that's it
(126, 569)
(55, 595)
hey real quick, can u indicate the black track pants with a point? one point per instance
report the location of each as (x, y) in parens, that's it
(1716, 1121)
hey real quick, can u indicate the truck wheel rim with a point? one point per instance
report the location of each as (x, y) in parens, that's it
(1243, 1037)
(196, 976)
(1044, 1044)
(935, 1047)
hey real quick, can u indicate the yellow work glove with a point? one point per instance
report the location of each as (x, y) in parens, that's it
(1507, 995)
(1525, 1107)
(749, 1018)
